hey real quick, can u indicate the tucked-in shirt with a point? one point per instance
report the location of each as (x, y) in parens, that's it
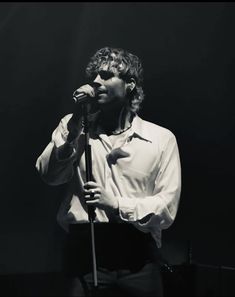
(141, 167)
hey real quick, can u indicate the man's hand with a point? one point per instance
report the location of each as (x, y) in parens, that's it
(97, 196)
(74, 124)
(85, 89)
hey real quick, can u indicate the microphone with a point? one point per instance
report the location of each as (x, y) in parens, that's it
(82, 97)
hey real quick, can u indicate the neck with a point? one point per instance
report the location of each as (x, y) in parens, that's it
(115, 121)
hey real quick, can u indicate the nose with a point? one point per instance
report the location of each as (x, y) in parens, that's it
(98, 81)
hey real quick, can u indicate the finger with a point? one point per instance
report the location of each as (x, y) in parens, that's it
(92, 190)
(92, 198)
(91, 194)
(87, 89)
(92, 202)
(90, 90)
(90, 184)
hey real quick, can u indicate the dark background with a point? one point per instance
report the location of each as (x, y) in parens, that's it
(187, 50)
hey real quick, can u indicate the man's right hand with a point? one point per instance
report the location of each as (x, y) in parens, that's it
(74, 124)
(85, 89)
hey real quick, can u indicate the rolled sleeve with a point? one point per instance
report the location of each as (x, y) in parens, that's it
(53, 169)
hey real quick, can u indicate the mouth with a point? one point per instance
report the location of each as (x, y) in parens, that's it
(101, 91)
(101, 94)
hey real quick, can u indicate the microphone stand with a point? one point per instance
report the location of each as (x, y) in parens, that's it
(91, 209)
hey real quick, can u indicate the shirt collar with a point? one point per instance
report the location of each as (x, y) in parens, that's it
(138, 128)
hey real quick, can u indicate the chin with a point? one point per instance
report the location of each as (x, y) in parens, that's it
(102, 101)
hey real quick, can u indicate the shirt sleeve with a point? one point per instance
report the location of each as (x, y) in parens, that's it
(51, 167)
(161, 207)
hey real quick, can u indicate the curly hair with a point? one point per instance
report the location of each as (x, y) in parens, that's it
(125, 64)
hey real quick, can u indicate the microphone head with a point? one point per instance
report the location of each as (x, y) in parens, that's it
(79, 97)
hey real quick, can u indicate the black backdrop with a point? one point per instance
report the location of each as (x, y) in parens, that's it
(187, 51)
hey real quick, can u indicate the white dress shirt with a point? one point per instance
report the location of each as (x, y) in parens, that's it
(141, 167)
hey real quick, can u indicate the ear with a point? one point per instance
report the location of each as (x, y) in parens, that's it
(130, 85)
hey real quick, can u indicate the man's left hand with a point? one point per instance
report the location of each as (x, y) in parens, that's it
(97, 196)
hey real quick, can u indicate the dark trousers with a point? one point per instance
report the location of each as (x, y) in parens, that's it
(127, 261)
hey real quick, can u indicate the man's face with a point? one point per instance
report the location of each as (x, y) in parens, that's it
(110, 88)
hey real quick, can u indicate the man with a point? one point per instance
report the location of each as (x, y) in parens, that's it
(135, 187)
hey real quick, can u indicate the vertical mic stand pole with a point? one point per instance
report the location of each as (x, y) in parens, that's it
(91, 209)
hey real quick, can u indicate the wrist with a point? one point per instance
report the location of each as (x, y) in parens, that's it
(70, 139)
(74, 129)
(66, 150)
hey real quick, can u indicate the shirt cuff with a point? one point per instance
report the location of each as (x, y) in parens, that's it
(127, 208)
